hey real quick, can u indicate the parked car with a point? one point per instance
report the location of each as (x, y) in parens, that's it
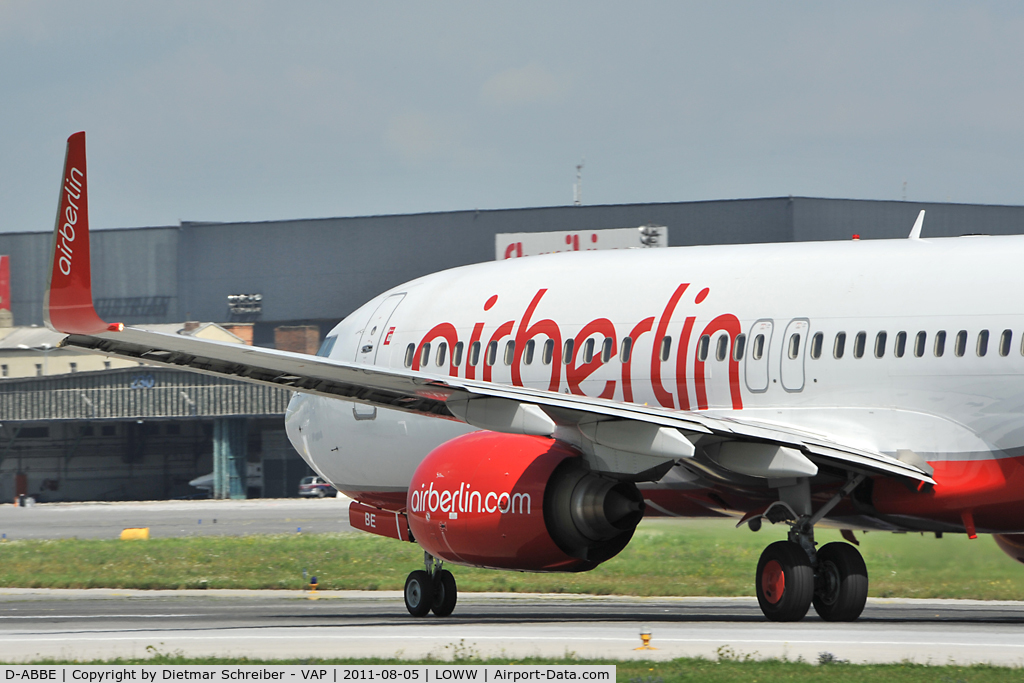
(315, 486)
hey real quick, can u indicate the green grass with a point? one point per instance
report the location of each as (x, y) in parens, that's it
(666, 557)
(725, 670)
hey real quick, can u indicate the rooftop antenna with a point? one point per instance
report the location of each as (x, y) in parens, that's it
(577, 188)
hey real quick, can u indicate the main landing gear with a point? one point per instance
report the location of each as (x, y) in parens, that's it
(792, 575)
(433, 590)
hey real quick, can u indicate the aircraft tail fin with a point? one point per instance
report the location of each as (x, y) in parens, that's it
(915, 232)
(67, 304)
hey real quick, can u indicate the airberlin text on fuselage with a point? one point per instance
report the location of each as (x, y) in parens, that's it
(73, 190)
(686, 365)
(466, 500)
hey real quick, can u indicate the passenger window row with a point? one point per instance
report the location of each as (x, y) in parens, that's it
(919, 345)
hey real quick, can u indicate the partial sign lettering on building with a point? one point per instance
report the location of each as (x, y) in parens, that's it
(518, 244)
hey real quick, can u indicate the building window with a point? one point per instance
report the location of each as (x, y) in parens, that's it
(982, 348)
(840, 346)
(4, 369)
(73, 367)
(39, 369)
(106, 364)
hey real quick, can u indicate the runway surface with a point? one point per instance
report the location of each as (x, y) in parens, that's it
(90, 624)
(176, 518)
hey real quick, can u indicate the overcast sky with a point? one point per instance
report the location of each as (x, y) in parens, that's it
(257, 111)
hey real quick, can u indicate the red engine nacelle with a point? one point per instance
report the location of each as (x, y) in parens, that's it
(1012, 545)
(519, 502)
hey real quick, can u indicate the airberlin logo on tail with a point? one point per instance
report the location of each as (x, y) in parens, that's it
(73, 190)
(466, 500)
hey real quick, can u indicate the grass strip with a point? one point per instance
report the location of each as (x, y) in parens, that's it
(666, 557)
(725, 670)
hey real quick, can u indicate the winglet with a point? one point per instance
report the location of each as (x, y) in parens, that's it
(915, 232)
(67, 305)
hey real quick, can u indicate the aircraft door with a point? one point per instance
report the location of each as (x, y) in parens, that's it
(376, 333)
(793, 343)
(756, 364)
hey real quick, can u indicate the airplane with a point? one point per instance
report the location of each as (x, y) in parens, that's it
(527, 414)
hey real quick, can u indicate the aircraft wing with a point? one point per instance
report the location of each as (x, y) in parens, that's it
(68, 309)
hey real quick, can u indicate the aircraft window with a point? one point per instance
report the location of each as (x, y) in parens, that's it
(840, 346)
(920, 342)
(606, 349)
(816, 343)
(410, 352)
(567, 349)
(548, 353)
(940, 343)
(474, 353)
(1004, 342)
(327, 346)
(528, 352)
(794, 346)
(492, 353)
(960, 346)
(758, 347)
(588, 350)
(859, 342)
(702, 349)
(666, 348)
(982, 348)
(510, 352)
(425, 355)
(722, 347)
(880, 340)
(901, 345)
(442, 354)
(457, 354)
(739, 346)
(627, 348)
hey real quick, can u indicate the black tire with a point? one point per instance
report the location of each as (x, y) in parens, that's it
(320, 493)
(784, 581)
(419, 593)
(446, 593)
(841, 583)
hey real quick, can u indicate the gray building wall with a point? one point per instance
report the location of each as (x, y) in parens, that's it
(322, 269)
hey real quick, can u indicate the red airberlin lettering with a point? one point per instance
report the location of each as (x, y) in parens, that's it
(577, 371)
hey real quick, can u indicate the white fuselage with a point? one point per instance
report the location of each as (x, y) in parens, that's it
(944, 407)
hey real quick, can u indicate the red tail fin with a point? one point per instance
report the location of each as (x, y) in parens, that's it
(68, 306)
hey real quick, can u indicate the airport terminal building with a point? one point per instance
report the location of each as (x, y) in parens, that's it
(112, 432)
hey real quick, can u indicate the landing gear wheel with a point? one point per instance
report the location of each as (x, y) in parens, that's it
(785, 582)
(446, 593)
(841, 583)
(419, 593)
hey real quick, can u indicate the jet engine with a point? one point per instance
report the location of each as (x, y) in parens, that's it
(519, 502)
(1012, 545)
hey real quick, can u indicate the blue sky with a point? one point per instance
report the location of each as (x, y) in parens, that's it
(259, 110)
